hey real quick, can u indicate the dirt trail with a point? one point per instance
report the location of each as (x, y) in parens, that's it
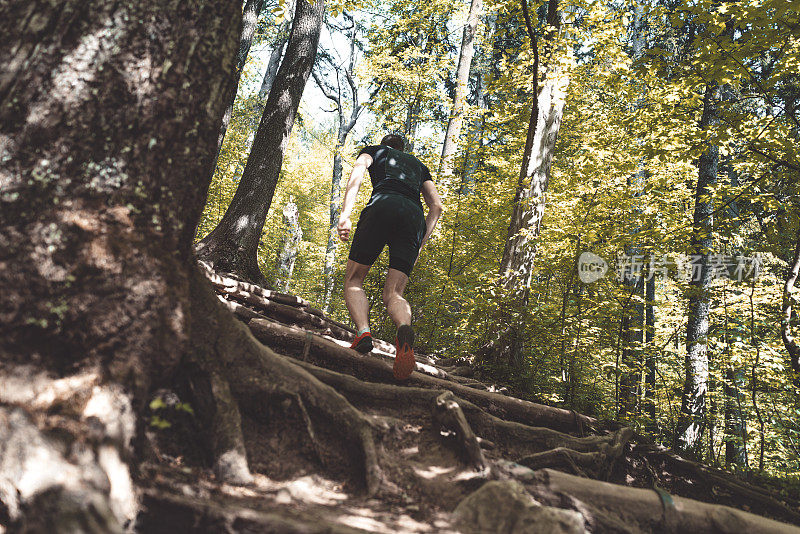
(447, 454)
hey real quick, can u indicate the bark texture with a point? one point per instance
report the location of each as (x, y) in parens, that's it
(516, 265)
(108, 119)
(693, 405)
(233, 245)
(252, 10)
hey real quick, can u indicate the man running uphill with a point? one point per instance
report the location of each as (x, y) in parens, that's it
(393, 216)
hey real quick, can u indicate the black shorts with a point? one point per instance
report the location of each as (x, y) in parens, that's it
(389, 219)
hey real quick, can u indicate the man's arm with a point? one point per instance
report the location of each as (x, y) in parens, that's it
(435, 208)
(363, 162)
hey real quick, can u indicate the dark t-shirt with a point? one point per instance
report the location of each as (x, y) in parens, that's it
(395, 171)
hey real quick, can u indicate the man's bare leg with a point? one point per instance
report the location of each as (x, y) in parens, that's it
(354, 296)
(400, 312)
(398, 308)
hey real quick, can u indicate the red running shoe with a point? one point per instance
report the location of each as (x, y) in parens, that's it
(362, 343)
(404, 363)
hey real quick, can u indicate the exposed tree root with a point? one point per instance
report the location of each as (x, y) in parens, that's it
(507, 434)
(249, 373)
(667, 466)
(598, 463)
(168, 513)
(210, 393)
(447, 413)
(642, 510)
(287, 308)
(329, 354)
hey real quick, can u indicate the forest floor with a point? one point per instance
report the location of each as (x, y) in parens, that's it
(451, 454)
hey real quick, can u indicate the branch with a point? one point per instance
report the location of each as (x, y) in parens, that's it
(528, 24)
(324, 89)
(779, 161)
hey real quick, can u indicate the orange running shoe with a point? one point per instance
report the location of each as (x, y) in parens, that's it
(362, 343)
(404, 363)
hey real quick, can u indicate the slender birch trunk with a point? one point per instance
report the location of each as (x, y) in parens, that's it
(790, 291)
(288, 250)
(450, 143)
(650, 356)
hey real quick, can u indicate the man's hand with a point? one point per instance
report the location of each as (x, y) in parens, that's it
(343, 228)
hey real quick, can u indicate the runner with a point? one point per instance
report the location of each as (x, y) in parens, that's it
(392, 217)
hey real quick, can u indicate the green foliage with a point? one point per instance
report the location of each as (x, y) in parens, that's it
(627, 112)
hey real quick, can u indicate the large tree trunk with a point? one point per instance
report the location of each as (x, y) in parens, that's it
(693, 405)
(516, 266)
(252, 10)
(109, 113)
(233, 245)
(462, 76)
(271, 72)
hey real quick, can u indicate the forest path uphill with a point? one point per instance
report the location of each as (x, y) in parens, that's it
(441, 452)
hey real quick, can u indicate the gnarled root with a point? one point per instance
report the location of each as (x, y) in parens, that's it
(326, 353)
(598, 463)
(211, 395)
(447, 413)
(718, 483)
(491, 429)
(245, 375)
(614, 508)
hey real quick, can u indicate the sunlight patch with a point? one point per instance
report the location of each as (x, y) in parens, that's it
(314, 490)
(241, 224)
(410, 451)
(432, 471)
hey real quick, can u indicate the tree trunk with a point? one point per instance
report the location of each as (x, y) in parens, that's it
(271, 71)
(735, 427)
(233, 245)
(330, 249)
(516, 266)
(693, 405)
(462, 76)
(789, 299)
(650, 356)
(288, 250)
(632, 341)
(412, 119)
(345, 127)
(109, 114)
(474, 145)
(252, 10)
